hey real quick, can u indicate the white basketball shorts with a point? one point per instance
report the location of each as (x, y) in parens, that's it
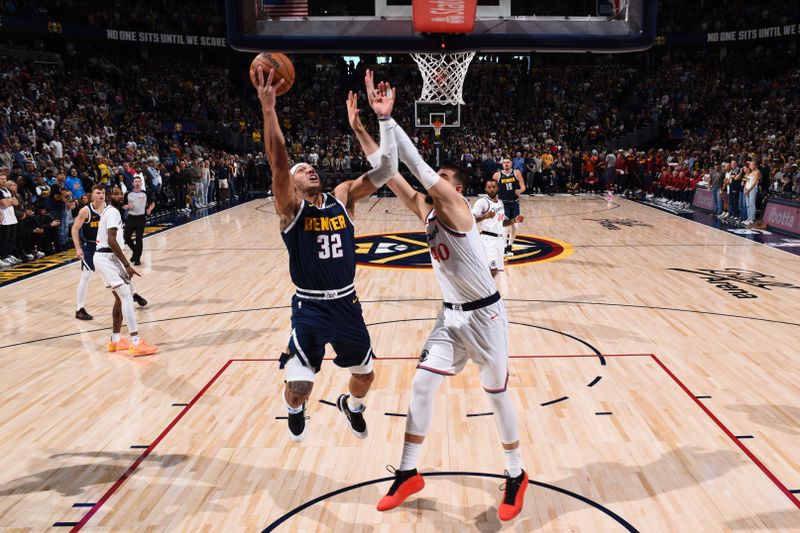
(495, 251)
(480, 335)
(111, 269)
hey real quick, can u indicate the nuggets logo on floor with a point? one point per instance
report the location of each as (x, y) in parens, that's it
(410, 250)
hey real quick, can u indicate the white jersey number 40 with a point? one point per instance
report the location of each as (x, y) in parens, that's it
(440, 252)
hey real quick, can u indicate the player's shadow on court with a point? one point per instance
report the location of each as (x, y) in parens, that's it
(216, 338)
(74, 480)
(784, 418)
(785, 520)
(167, 268)
(190, 303)
(610, 483)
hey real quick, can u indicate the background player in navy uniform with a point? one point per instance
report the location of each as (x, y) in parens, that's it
(318, 233)
(511, 185)
(84, 238)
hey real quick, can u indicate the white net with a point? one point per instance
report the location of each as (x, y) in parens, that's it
(443, 76)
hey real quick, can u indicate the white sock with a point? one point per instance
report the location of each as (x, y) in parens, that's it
(292, 410)
(355, 404)
(135, 339)
(513, 462)
(115, 337)
(410, 456)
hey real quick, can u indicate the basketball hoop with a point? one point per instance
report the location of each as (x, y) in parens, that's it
(443, 76)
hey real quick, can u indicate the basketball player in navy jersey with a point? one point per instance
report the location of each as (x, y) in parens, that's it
(510, 184)
(472, 322)
(84, 238)
(317, 230)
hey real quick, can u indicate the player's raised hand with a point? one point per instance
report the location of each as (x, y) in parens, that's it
(369, 84)
(384, 99)
(266, 90)
(353, 112)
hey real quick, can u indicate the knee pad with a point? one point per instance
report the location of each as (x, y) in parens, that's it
(420, 408)
(296, 371)
(505, 417)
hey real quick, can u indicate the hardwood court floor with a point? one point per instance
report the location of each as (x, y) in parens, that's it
(700, 436)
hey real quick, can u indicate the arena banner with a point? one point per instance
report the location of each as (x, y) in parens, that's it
(703, 199)
(783, 216)
(78, 31)
(734, 36)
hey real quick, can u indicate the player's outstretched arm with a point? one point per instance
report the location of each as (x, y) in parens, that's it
(411, 199)
(384, 160)
(286, 200)
(451, 207)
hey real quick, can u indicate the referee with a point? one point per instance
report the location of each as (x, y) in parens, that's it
(138, 206)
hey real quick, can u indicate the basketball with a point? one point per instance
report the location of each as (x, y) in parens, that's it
(281, 64)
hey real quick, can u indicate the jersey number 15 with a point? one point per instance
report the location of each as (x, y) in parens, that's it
(330, 246)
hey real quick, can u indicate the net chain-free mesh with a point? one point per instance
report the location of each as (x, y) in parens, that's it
(443, 76)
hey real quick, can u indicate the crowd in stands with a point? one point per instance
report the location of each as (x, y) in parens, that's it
(198, 17)
(64, 128)
(689, 16)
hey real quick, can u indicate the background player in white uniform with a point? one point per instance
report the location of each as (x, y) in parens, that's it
(490, 213)
(471, 324)
(110, 261)
(84, 238)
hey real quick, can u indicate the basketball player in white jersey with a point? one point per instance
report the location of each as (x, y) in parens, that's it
(490, 213)
(117, 272)
(471, 324)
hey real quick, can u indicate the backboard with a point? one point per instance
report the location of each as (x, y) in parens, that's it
(385, 26)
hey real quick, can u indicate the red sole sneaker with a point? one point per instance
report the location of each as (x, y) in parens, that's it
(507, 511)
(410, 486)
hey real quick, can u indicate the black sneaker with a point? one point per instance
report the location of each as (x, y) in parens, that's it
(139, 300)
(137, 263)
(297, 425)
(81, 314)
(357, 423)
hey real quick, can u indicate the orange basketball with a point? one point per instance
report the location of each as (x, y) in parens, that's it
(282, 65)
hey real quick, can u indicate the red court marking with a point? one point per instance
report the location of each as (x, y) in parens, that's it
(129, 472)
(373, 205)
(722, 426)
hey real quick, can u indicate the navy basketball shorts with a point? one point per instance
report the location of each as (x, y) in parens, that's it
(339, 323)
(88, 256)
(511, 209)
